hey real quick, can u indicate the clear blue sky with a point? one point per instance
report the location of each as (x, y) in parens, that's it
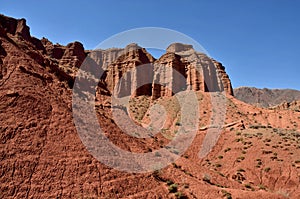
(258, 41)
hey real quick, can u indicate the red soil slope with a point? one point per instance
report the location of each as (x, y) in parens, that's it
(42, 156)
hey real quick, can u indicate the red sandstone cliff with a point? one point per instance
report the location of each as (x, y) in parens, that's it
(179, 69)
(42, 156)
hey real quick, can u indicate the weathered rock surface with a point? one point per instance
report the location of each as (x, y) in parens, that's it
(124, 76)
(169, 76)
(266, 97)
(69, 58)
(203, 73)
(294, 105)
(179, 69)
(15, 27)
(42, 156)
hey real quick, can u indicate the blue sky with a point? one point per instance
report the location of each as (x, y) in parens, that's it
(258, 41)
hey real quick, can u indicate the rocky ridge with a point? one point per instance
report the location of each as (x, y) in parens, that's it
(201, 72)
(266, 97)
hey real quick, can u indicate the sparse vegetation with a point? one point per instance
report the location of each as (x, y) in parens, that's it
(273, 158)
(241, 158)
(241, 170)
(179, 195)
(218, 165)
(186, 156)
(259, 163)
(186, 186)
(260, 186)
(169, 182)
(206, 178)
(178, 124)
(227, 149)
(173, 188)
(221, 174)
(238, 133)
(243, 144)
(266, 152)
(267, 169)
(248, 186)
(226, 194)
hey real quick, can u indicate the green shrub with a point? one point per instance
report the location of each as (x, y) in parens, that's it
(173, 188)
(226, 194)
(178, 124)
(241, 158)
(227, 149)
(248, 186)
(179, 195)
(260, 186)
(169, 182)
(218, 165)
(241, 170)
(267, 169)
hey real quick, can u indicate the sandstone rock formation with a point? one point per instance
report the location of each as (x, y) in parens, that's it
(15, 27)
(124, 82)
(63, 60)
(42, 156)
(201, 72)
(294, 105)
(69, 58)
(169, 76)
(179, 69)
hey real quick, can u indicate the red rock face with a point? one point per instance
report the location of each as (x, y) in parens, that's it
(225, 81)
(169, 76)
(124, 75)
(179, 69)
(15, 27)
(68, 57)
(42, 156)
(203, 73)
